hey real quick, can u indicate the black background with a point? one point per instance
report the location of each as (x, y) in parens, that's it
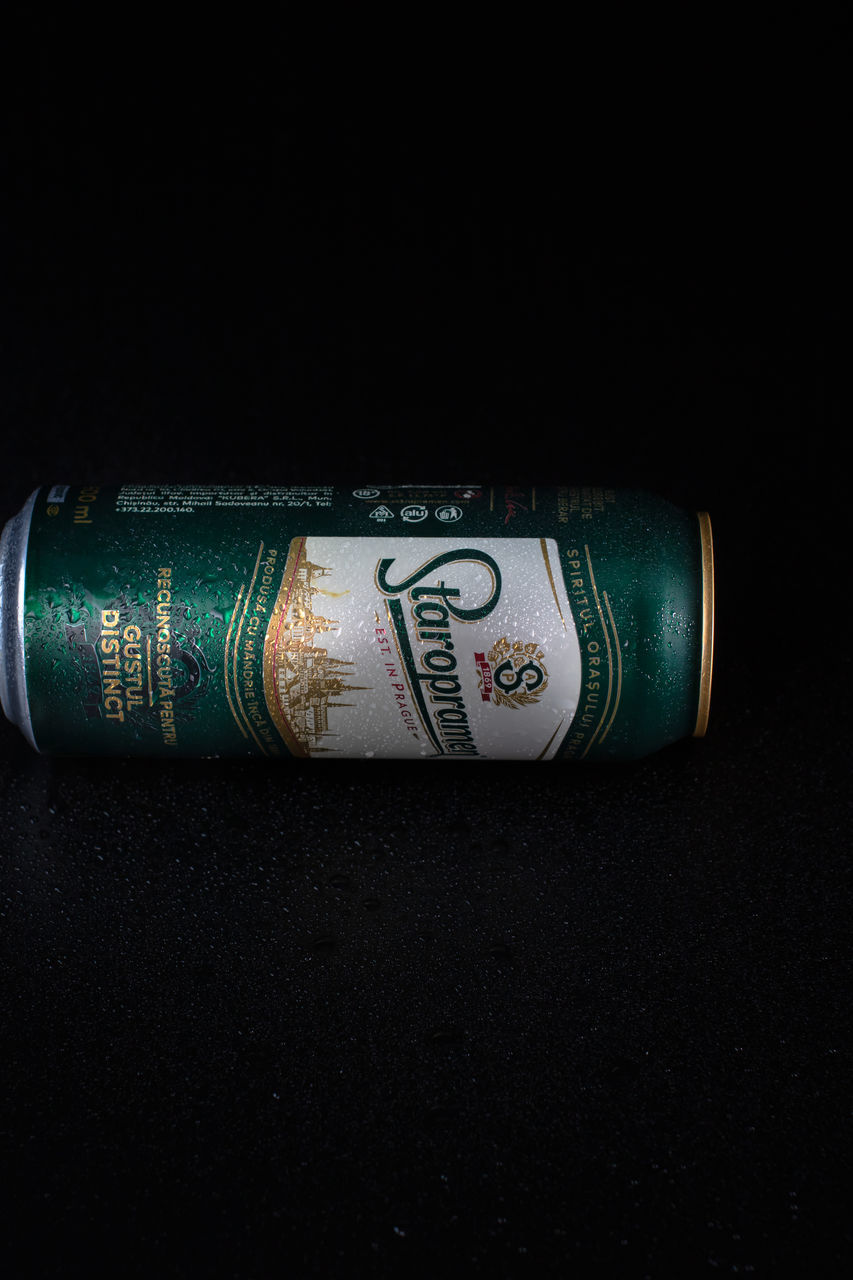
(373, 1019)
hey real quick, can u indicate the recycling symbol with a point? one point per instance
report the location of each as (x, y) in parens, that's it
(381, 513)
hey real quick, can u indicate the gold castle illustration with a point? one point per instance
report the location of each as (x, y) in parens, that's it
(309, 680)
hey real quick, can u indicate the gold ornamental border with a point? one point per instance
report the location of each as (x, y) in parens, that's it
(706, 669)
(616, 648)
(278, 618)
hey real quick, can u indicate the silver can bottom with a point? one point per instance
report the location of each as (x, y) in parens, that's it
(13, 677)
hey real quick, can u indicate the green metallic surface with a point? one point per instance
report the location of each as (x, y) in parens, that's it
(631, 564)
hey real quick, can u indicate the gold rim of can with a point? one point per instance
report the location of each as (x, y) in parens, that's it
(707, 664)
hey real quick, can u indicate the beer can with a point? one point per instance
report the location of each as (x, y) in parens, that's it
(428, 621)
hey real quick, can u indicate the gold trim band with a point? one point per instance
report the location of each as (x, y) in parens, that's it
(606, 635)
(707, 665)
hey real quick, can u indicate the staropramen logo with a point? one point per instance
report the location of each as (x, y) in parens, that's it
(427, 608)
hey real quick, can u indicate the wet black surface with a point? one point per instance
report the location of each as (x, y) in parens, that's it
(355, 1018)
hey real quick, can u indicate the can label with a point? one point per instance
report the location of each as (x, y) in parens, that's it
(444, 650)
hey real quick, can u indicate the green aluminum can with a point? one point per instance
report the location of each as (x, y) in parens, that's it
(437, 621)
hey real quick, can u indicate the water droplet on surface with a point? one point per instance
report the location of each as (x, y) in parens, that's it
(323, 943)
(446, 1035)
(500, 951)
